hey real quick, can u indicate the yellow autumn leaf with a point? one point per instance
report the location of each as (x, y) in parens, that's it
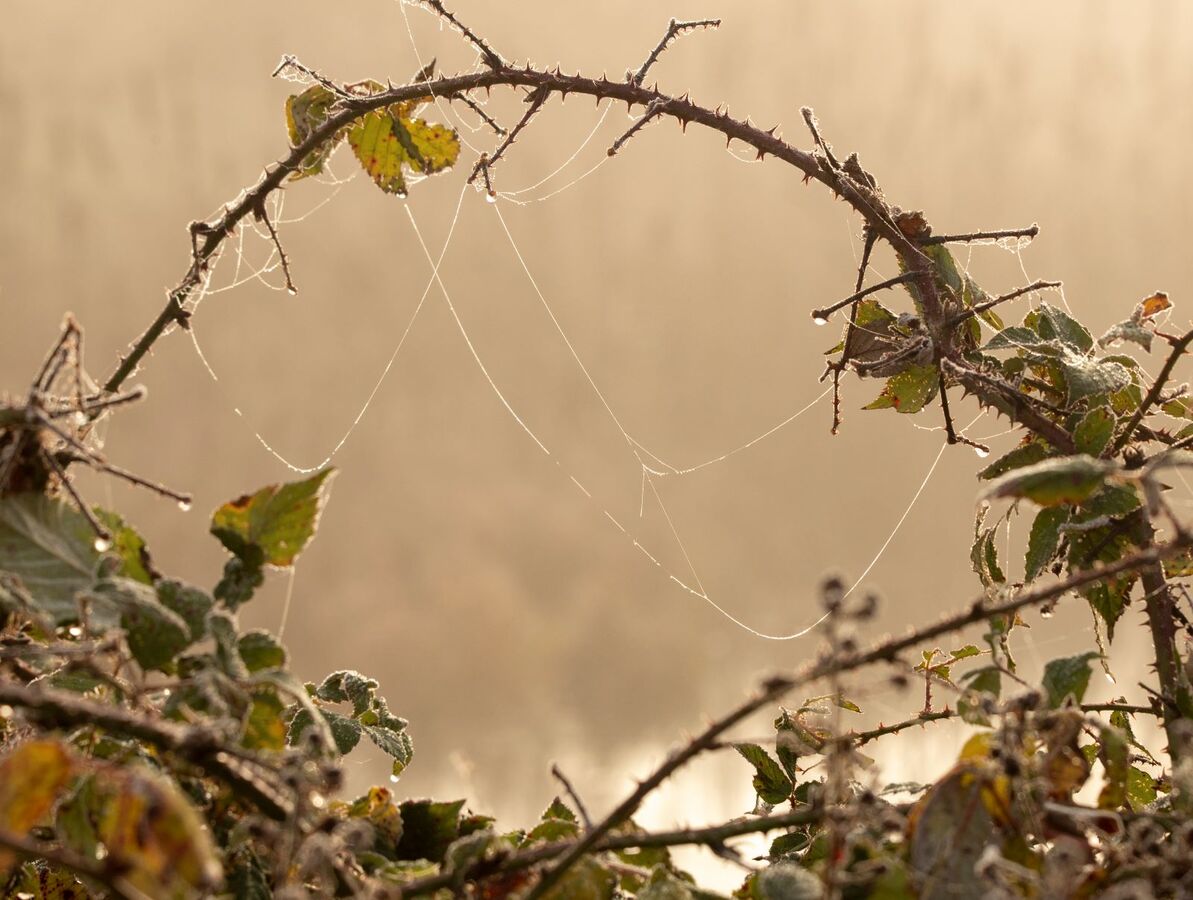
(32, 777)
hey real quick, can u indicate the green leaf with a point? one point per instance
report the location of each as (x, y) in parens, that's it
(155, 633)
(386, 143)
(189, 603)
(222, 627)
(239, 582)
(663, 885)
(1068, 479)
(1086, 377)
(51, 548)
(265, 726)
(1068, 677)
(129, 546)
(260, 650)
(1019, 338)
(1094, 431)
(785, 881)
(1141, 789)
(772, 785)
(983, 684)
(394, 741)
(348, 686)
(1114, 752)
(275, 524)
(1051, 322)
(428, 828)
(305, 113)
(909, 391)
(1044, 540)
(1025, 455)
(588, 879)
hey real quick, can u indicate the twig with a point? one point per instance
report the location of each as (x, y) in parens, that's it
(575, 797)
(822, 314)
(871, 238)
(535, 101)
(199, 746)
(814, 127)
(981, 610)
(1030, 232)
(770, 691)
(1003, 298)
(951, 435)
(262, 216)
(1178, 350)
(674, 30)
(651, 112)
(480, 111)
(492, 60)
(688, 836)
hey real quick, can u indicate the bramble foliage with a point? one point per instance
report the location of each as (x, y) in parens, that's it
(149, 746)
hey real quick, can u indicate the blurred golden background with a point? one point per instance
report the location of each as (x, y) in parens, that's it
(502, 612)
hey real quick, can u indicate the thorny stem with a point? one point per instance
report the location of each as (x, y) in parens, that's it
(674, 30)
(1002, 298)
(825, 311)
(1162, 624)
(771, 690)
(711, 837)
(1179, 345)
(1030, 232)
(209, 236)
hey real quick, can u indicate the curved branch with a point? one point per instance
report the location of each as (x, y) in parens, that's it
(207, 237)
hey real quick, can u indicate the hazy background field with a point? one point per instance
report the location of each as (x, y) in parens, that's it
(502, 612)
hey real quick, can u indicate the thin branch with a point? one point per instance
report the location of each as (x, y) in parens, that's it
(674, 30)
(652, 111)
(871, 238)
(1030, 232)
(199, 746)
(262, 216)
(1178, 350)
(485, 117)
(1003, 298)
(575, 797)
(951, 435)
(535, 101)
(814, 127)
(771, 690)
(102, 535)
(981, 610)
(492, 59)
(712, 836)
(822, 314)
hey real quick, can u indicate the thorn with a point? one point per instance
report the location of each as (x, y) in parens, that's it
(760, 154)
(773, 130)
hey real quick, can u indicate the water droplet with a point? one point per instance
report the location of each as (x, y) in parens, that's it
(491, 197)
(820, 320)
(6, 712)
(103, 544)
(394, 779)
(1046, 612)
(317, 800)
(1110, 678)
(75, 631)
(80, 419)
(184, 505)
(292, 292)
(982, 452)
